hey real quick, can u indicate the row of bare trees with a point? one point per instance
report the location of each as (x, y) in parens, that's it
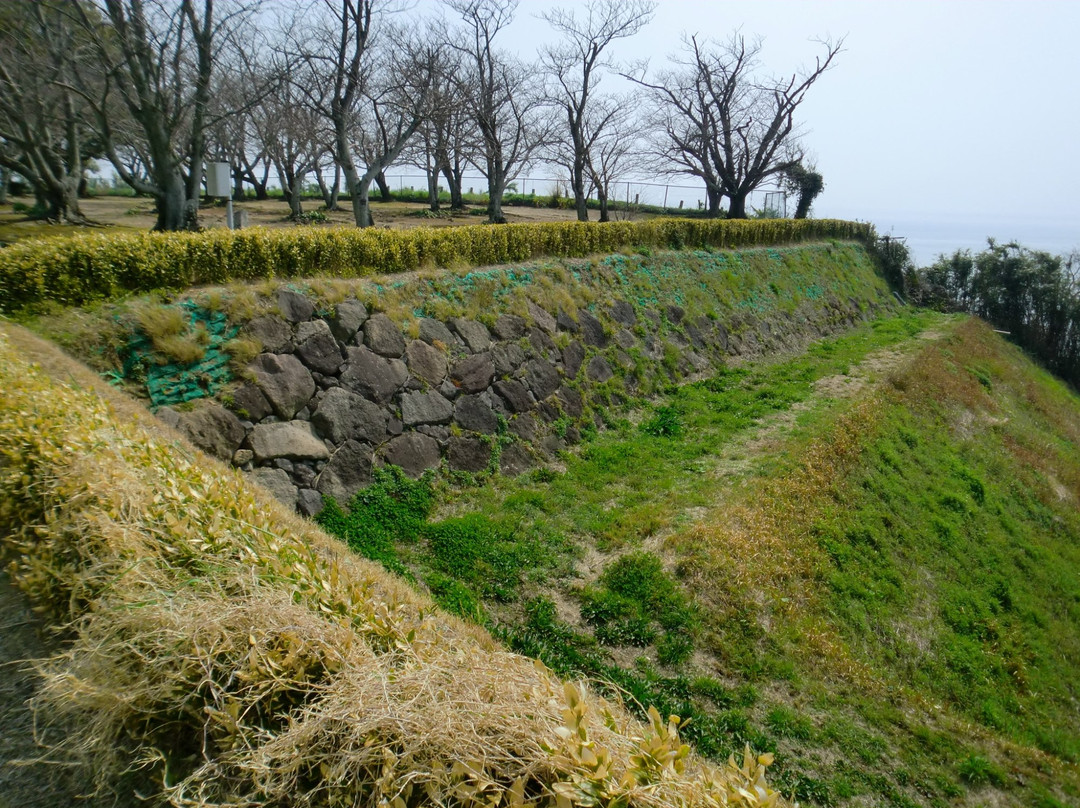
(340, 90)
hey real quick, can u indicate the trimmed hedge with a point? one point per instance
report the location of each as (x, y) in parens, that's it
(76, 270)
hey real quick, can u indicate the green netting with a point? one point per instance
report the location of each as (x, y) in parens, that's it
(175, 383)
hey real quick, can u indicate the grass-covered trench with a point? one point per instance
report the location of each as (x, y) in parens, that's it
(862, 558)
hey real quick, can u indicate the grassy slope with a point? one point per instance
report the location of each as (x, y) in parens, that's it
(868, 565)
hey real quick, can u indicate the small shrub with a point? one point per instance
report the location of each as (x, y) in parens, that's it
(665, 423)
(977, 770)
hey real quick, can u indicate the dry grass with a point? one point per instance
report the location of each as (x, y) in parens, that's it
(241, 658)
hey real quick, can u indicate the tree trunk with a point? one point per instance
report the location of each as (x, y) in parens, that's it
(329, 192)
(433, 189)
(803, 208)
(714, 197)
(5, 184)
(172, 205)
(361, 204)
(737, 208)
(581, 202)
(384, 188)
(601, 195)
(238, 184)
(296, 208)
(496, 188)
(453, 180)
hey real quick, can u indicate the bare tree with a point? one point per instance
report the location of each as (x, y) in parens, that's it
(45, 128)
(157, 58)
(611, 138)
(718, 120)
(506, 99)
(575, 66)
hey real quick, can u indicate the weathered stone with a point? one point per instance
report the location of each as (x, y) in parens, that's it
(413, 452)
(320, 352)
(303, 475)
(284, 464)
(347, 318)
(625, 340)
(473, 413)
(570, 401)
(653, 317)
(433, 331)
(507, 357)
(169, 417)
(309, 502)
(348, 470)
(572, 435)
(294, 306)
(425, 408)
(599, 370)
(541, 341)
(306, 330)
(623, 313)
(285, 382)
(241, 457)
(383, 336)
(572, 356)
(509, 326)
(515, 394)
(468, 454)
(675, 313)
(542, 378)
(449, 392)
(343, 415)
(475, 335)
(473, 373)
(592, 330)
(721, 335)
(624, 359)
(277, 483)
(695, 335)
(213, 429)
(440, 433)
(249, 402)
(394, 426)
(515, 459)
(290, 439)
(524, 426)
(373, 376)
(541, 318)
(550, 445)
(565, 322)
(273, 333)
(425, 362)
(548, 412)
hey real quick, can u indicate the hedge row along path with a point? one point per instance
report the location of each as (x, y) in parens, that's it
(76, 270)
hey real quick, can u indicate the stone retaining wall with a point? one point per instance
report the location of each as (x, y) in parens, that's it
(338, 392)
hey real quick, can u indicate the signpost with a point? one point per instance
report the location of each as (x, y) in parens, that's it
(219, 184)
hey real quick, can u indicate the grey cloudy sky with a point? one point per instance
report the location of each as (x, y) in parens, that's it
(965, 112)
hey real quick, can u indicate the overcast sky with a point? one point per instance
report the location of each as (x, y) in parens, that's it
(965, 112)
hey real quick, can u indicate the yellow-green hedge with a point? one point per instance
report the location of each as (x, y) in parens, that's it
(75, 270)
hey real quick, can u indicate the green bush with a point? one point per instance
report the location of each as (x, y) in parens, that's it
(77, 269)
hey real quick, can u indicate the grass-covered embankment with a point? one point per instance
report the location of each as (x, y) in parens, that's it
(237, 656)
(862, 558)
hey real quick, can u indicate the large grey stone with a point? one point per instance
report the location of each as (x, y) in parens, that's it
(343, 415)
(524, 426)
(541, 341)
(468, 454)
(294, 306)
(515, 459)
(309, 502)
(566, 323)
(473, 413)
(413, 452)
(433, 331)
(294, 440)
(348, 470)
(277, 483)
(507, 357)
(308, 329)
(572, 356)
(425, 362)
(347, 318)
(623, 313)
(541, 318)
(475, 335)
(425, 408)
(473, 373)
(625, 340)
(509, 326)
(592, 330)
(320, 351)
(599, 370)
(213, 429)
(273, 333)
(383, 336)
(515, 394)
(542, 378)
(570, 401)
(675, 313)
(285, 382)
(373, 376)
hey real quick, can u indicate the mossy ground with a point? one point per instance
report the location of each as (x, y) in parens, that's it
(862, 557)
